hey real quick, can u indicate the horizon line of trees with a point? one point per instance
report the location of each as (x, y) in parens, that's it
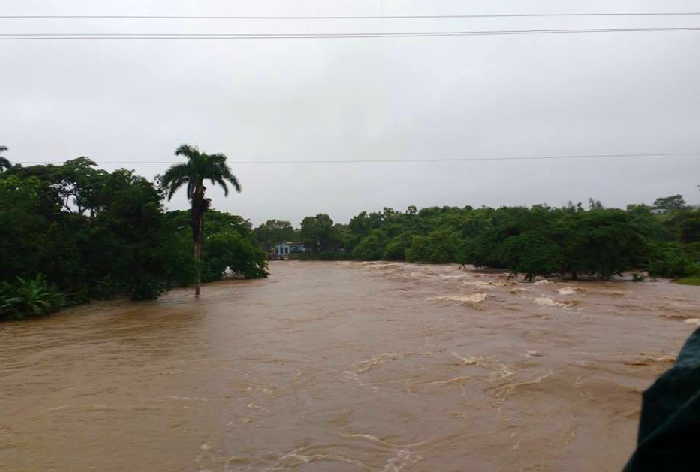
(572, 241)
(73, 232)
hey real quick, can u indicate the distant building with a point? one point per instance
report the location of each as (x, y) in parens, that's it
(283, 250)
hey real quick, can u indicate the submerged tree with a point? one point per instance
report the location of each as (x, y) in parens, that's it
(198, 168)
(4, 162)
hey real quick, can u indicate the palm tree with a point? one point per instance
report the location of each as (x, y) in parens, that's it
(198, 168)
(4, 163)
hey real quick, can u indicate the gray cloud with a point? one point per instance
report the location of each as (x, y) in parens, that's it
(135, 101)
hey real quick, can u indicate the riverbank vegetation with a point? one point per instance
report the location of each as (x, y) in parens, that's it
(72, 233)
(695, 280)
(574, 241)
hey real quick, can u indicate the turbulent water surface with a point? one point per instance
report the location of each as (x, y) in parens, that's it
(342, 367)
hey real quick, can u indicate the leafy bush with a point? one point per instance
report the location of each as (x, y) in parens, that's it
(670, 260)
(532, 254)
(371, 248)
(28, 297)
(694, 280)
(693, 251)
(146, 288)
(231, 250)
(395, 249)
(438, 247)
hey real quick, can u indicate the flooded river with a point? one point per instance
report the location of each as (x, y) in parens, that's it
(333, 366)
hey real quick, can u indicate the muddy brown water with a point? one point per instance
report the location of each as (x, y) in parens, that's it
(331, 366)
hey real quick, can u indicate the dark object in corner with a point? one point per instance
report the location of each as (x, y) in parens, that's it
(669, 428)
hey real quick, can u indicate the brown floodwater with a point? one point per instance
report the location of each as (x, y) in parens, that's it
(337, 366)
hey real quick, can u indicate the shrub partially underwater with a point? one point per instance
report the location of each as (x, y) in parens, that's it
(25, 298)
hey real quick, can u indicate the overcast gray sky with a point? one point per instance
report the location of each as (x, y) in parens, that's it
(378, 98)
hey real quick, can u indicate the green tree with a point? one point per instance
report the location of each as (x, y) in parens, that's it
(670, 260)
(371, 248)
(532, 254)
(437, 247)
(594, 204)
(601, 243)
(273, 232)
(395, 249)
(81, 186)
(22, 226)
(671, 203)
(228, 243)
(230, 250)
(690, 229)
(126, 240)
(318, 234)
(198, 168)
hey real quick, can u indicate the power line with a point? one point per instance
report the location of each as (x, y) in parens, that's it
(342, 17)
(446, 159)
(239, 36)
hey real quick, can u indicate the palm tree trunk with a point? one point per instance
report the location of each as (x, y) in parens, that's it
(199, 207)
(197, 273)
(197, 241)
(199, 253)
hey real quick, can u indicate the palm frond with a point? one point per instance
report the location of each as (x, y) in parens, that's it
(234, 181)
(174, 178)
(228, 175)
(217, 179)
(199, 167)
(190, 152)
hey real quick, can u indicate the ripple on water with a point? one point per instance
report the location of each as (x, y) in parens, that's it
(473, 299)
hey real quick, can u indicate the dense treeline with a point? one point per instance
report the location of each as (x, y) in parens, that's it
(572, 241)
(73, 232)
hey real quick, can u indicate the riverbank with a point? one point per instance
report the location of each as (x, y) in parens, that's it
(689, 280)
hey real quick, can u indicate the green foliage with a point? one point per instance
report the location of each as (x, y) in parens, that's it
(371, 248)
(601, 243)
(230, 250)
(437, 247)
(573, 241)
(95, 234)
(395, 249)
(22, 226)
(274, 232)
(228, 243)
(690, 227)
(532, 254)
(671, 203)
(319, 234)
(43, 229)
(671, 260)
(146, 288)
(198, 168)
(28, 298)
(695, 280)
